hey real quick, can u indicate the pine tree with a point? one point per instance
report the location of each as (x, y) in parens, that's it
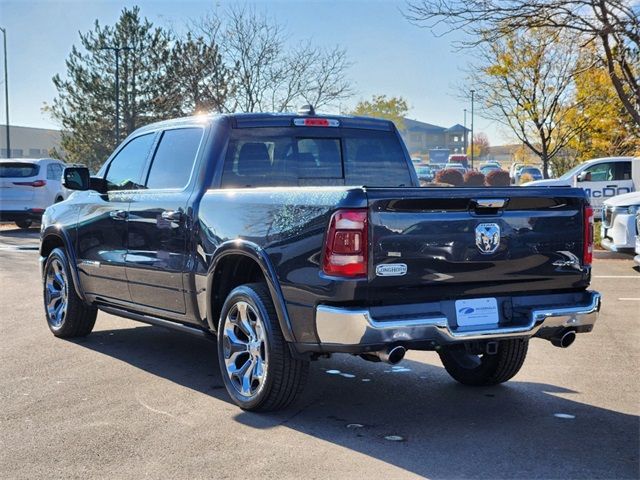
(85, 105)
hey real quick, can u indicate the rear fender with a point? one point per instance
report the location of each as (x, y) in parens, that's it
(253, 251)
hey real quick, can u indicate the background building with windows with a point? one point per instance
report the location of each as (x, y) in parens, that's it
(27, 142)
(420, 137)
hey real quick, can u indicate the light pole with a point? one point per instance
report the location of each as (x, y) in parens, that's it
(6, 92)
(465, 131)
(472, 152)
(117, 51)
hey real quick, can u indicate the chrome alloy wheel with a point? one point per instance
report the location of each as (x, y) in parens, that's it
(56, 293)
(244, 344)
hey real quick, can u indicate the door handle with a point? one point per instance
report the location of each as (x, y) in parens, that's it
(173, 215)
(119, 214)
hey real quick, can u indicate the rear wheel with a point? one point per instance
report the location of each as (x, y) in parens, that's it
(478, 370)
(257, 368)
(67, 315)
(24, 223)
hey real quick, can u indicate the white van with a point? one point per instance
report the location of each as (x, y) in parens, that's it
(601, 178)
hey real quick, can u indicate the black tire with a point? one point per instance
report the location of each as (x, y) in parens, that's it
(24, 224)
(483, 370)
(58, 199)
(73, 319)
(284, 375)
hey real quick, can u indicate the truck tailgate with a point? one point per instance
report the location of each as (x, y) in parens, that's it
(437, 244)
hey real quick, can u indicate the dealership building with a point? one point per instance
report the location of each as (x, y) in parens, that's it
(27, 142)
(421, 137)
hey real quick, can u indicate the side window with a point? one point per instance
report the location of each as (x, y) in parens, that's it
(125, 171)
(174, 158)
(52, 172)
(623, 172)
(602, 172)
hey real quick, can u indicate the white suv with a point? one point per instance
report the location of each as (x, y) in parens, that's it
(27, 187)
(618, 228)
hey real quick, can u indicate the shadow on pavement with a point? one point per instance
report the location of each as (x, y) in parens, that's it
(18, 237)
(10, 229)
(444, 430)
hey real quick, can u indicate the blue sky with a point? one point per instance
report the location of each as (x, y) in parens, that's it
(390, 55)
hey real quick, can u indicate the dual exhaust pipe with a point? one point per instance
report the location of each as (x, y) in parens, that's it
(395, 355)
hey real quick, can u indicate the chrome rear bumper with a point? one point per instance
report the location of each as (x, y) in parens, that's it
(352, 326)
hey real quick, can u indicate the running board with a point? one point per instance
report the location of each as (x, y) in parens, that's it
(159, 322)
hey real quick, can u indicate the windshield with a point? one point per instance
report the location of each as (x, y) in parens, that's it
(568, 175)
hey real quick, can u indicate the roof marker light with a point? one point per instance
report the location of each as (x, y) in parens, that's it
(316, 122)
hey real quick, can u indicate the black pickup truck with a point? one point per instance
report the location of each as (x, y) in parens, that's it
(292, 237)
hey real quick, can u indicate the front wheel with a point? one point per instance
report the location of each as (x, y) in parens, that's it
(481, 370)
(67, 315)
(257, 368)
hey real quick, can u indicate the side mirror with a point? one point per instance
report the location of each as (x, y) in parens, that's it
(76, 178)
(583, 177)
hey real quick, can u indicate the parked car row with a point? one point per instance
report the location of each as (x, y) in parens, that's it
(27, 187)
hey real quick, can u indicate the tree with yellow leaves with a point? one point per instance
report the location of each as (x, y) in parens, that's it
(611, 131)
(525, 82)
(381, 106)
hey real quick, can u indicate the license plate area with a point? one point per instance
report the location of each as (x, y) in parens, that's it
(477, 311)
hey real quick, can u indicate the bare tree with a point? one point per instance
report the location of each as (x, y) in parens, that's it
(325, 81)
(525, 82)
(614, 25)
(270, 75)
(196, 79)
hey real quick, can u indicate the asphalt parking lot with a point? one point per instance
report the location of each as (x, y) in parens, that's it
(134, 401)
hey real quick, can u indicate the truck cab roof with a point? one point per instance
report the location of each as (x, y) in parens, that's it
(247, 120)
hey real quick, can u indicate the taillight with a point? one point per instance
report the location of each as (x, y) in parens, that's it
(587, 254)
(346, 249)
(37, 183)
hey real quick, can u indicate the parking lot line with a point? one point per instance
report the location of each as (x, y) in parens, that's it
(630, 299)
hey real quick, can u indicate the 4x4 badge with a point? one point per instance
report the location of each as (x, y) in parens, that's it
(487, 237)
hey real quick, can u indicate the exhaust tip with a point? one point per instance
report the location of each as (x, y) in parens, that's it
(392, 356)
(565, 340)
(395, 355)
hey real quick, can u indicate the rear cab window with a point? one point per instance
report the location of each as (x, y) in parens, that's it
(18, 170)
(292, 156)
